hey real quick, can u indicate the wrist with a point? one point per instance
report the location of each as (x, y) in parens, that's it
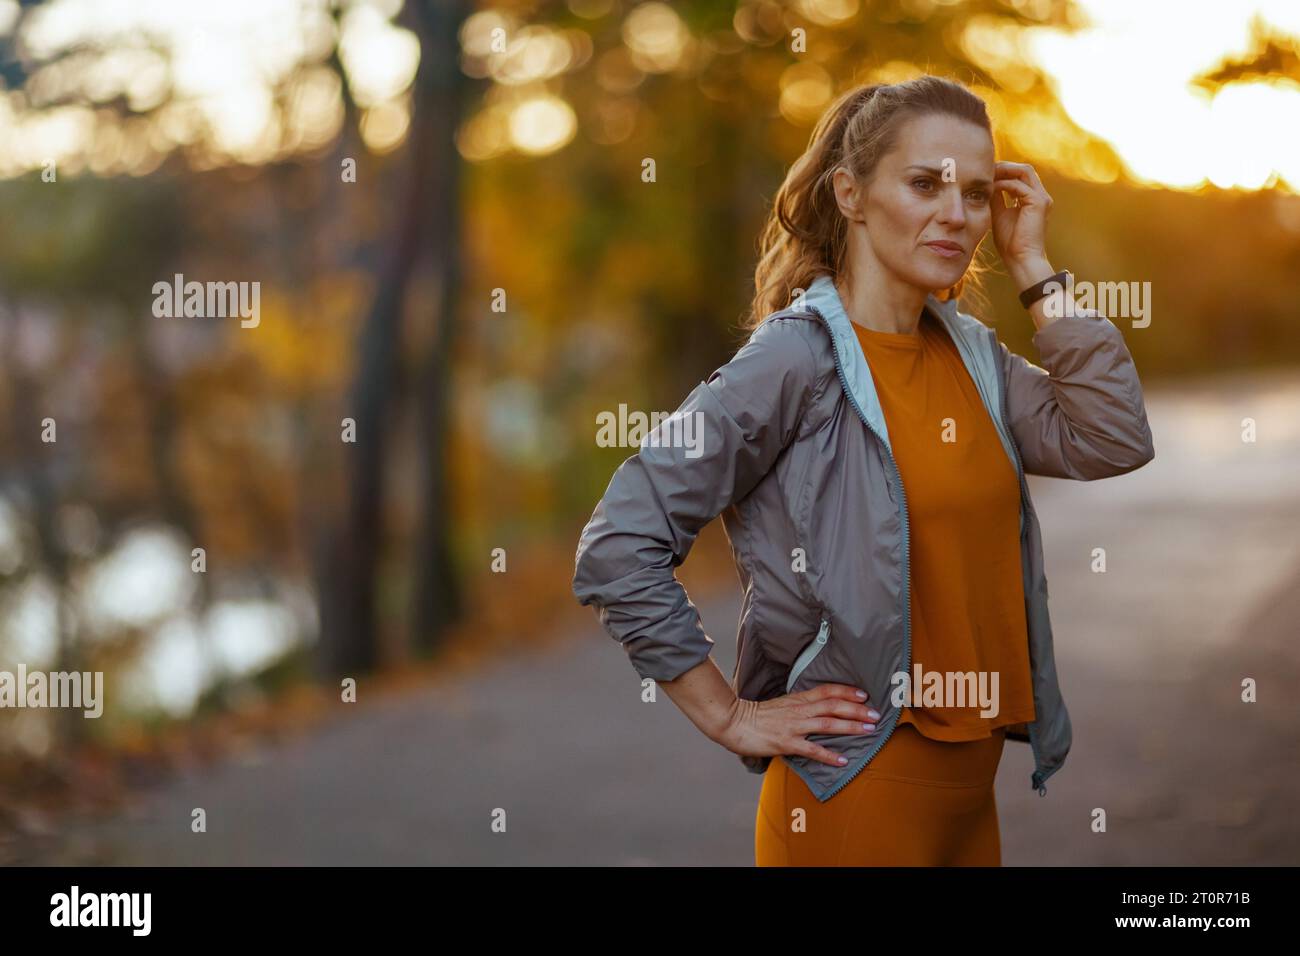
(1026, 272)
(704, 695)
(731, 730)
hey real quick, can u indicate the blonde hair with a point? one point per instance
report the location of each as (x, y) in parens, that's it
(806, 235)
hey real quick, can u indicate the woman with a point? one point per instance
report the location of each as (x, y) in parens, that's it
(866, 449)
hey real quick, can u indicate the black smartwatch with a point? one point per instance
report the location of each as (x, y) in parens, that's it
(1038, 290)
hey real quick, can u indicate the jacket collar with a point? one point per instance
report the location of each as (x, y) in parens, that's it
(975, 341)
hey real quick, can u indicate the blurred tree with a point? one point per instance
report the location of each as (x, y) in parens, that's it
(422, 225)
(1273, 55)
(426, 223)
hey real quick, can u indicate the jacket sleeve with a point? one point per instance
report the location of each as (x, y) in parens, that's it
(660, 498)
(1081, 415)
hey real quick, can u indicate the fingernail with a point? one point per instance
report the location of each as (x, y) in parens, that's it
(868, 727)
(862, 694)
(873, 715)
(841, 760)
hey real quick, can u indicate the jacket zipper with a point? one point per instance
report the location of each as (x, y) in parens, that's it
(1038, 779)
(907, 546)
(809, 653)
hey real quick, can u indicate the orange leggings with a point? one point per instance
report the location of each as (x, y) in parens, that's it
(919, 802)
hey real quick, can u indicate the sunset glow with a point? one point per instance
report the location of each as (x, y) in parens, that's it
(1127, 78)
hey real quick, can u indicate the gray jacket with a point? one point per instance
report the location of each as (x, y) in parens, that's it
(795, 456)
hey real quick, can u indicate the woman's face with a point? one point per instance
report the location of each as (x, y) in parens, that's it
(927, 205)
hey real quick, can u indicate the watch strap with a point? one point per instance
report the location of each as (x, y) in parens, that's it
(1039, 289)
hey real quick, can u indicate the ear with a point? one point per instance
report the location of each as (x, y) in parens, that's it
(848, 194)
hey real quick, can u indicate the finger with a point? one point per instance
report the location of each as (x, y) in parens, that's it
(1022, 195)
(848, 709)
(816, 752)
(832, 725)
(1015, 186)
(1019, 171)
(1035, 187)
(842, 691)
(1033, 178)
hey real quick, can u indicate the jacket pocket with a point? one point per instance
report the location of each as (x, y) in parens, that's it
(809, 653)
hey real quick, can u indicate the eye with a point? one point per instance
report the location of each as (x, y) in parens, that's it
(923, 183)
(978, 195)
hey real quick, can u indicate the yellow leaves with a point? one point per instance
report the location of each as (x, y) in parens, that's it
(305, 339)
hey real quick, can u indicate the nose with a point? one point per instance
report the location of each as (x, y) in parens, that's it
(952, 208)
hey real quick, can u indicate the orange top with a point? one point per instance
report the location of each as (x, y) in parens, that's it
(963, 503)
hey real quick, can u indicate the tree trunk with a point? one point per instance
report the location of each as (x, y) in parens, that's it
(349, 629)
(441, 88)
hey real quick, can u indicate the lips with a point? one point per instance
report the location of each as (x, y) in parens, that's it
(945, 250)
